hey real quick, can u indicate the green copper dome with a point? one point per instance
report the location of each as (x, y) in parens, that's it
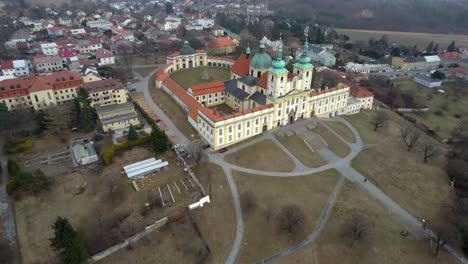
(261, 60)
(186, 49)
(278, 65)
(304, 59)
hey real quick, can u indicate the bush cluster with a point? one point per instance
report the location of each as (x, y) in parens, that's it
(110, 151)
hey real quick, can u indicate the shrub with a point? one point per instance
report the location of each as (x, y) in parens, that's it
(19, 145)
(11, 186)
(110, 152)
(13, 168)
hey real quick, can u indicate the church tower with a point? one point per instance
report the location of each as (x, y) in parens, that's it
(303, 67)
(277, 75)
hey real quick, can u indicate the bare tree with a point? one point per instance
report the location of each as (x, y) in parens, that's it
(356, 228)
(57, 119)
(429, 150)
(379, 120)
(291, 219)
(410, 137)
(248, 201)
(196, 149)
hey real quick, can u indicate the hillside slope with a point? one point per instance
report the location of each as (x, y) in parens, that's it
(436, 16)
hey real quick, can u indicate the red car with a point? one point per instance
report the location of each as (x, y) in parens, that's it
(157, 120)
(222, 150)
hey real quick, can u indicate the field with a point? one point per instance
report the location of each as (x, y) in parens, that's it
(264, 155)
(144, 71)
(383, 241)
(342, 130)
(262, 237)
(403, 175)
(86, 199)
(406, 38)
(300, 150)
(189, 77)
(177, 242)
(217, 220)
(446, 110)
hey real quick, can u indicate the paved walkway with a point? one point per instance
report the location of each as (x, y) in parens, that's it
(142, 86)
(6, 212)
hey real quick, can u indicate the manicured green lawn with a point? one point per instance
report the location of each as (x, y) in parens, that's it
(189, 77)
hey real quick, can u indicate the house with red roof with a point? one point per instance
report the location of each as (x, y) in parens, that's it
(55, 31)
(89, 46)
(15, 68)
(459, 72)
(44, 63)
(105, 57)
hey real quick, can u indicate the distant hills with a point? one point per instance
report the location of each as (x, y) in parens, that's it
(434, 16)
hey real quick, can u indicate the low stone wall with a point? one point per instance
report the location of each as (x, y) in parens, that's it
(412, 110)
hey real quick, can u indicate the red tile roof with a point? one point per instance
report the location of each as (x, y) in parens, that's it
(241, 66)
(92, 61)
(46, 59)
(22, 45)
(67, 53)
(359, 92)
(103, 53)
(221, 42)
(340, 86)
(8, 64)
(452, 55)
(25, 85)
(207, 88)
(452, 70)
(117, 37)
(263, 80)
(103, 85)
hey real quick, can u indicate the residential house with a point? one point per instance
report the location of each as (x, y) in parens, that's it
(89, 46)
(367, 68)
(109, 97)
(128, 35)
(101, 24)
(193, 26)
(459, 72)
(427, 81)
(16, 68)
(105, 57)
(55, 31)
(65, 20)
(172, 23)
(44, 63)
(40, 91)
(49, 49)
(416, 63)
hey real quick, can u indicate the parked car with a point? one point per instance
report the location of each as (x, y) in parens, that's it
(222, 150)
(157, 120)
(206, 146)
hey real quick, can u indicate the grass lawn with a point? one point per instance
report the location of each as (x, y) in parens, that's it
(298, 148)
(384, 242)
(334, 144)
(443, 107)
(177, 242)
(217, 220)
(189, 77)
(144, 71)
(401, 174)
(342, 130)
(264, 155)
(362, 123)
(226, 109)
(173, 111)
(262, 237)
(35, 214)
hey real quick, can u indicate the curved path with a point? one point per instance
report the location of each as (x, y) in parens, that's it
(335, 162)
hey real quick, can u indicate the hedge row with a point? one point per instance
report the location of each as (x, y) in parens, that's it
(144, 114)
(20, 145)
(110, 151)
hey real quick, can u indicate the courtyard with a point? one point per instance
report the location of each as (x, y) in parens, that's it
(223, 108)
(188, 77)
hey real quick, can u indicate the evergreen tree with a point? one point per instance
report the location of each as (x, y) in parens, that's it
(452, 47)
(436, 49)
(67, 242)
(132, 134)
(158, 140)
(87, 116)
(3, 107)
(169, 8)
(41, 121)
(430, 48)
(396, 52)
